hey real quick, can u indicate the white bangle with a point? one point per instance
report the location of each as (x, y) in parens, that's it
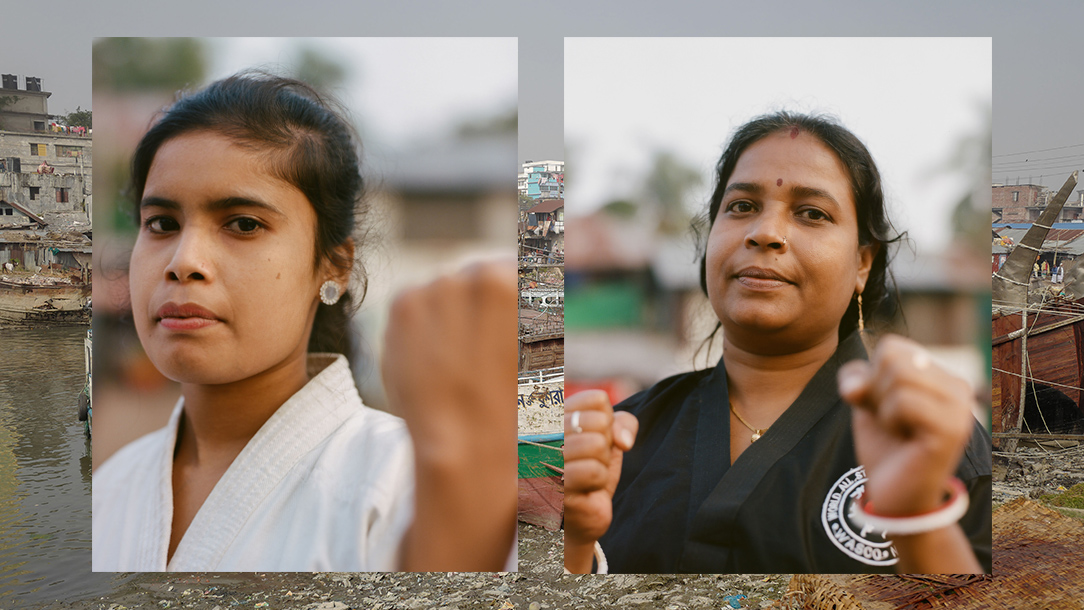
(600, 559)
(950, 512)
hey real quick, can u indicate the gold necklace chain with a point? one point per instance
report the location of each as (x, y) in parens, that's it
(757, 433)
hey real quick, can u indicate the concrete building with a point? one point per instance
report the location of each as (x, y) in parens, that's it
(1023, 203)
(24, 109)
(542, 179)
(543, 230)
(60, 197)
(1018, 203)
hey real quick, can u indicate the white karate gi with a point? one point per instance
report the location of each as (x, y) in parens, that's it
(326, 484)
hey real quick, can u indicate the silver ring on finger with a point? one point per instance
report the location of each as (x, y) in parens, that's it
(574, 423)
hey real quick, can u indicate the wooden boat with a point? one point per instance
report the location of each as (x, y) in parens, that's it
(541, 479)
(1054, 361)
(1038, 375)
(48, 303)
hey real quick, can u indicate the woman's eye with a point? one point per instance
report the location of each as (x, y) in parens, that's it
(740, 207)
(161, 224)
(245, 225)
(814, 214)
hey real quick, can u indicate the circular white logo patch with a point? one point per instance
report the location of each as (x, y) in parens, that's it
(863, 544)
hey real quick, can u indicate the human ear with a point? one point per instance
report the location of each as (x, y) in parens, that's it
(340, 263)
(865, 254)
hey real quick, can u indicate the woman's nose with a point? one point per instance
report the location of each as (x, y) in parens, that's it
(768, 230)
(190, 260)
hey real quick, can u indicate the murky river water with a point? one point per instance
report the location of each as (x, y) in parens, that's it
(44, 470)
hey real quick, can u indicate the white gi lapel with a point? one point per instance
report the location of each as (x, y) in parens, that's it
(299, 425)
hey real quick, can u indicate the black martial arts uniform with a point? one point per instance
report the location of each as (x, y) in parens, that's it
(680, 505)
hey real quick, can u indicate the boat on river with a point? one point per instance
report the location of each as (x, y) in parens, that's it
(36, 300)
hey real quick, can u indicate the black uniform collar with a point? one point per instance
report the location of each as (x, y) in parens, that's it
(718, 488)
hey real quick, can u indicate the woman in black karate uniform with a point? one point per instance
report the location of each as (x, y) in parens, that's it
(758, 464)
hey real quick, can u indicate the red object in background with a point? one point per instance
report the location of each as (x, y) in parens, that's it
(542, 502)
(617, 389)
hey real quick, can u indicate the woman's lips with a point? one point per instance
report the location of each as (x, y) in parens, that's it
(186, 323)
(757, 278)
(757, 283)
(188, 316)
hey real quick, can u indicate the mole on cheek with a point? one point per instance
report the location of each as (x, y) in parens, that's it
(278, 275)
(779, 182)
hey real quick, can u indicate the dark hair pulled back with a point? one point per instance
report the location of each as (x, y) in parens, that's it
(874, 226)
(309, 144)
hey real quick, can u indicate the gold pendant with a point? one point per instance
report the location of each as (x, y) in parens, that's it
(754, 437)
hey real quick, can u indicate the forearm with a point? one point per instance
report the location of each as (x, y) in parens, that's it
(578, 556)
(465, 513)
(942, 551)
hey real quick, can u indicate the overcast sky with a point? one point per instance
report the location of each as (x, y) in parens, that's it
(1037, 89)
(415, 87)
(910, 100)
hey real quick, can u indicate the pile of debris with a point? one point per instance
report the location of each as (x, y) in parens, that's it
(36, 279)
(1035, 470)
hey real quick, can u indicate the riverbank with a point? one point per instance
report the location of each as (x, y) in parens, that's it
(31, 300)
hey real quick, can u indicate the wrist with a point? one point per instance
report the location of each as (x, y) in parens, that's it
(952, 507)
(586, 560)
(942, 551)
(578, 557)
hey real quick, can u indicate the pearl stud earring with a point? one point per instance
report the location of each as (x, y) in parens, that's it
(330, 292)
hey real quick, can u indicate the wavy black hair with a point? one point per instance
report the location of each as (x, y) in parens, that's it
(874, 226)
(309, 144)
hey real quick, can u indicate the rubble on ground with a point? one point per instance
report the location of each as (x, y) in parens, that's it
(539, 585)
(1035, 470)
(36, 279)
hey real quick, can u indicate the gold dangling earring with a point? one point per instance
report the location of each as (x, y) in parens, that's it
(861, 322)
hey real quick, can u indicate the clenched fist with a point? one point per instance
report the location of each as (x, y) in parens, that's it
(450, 371)
(596, 438)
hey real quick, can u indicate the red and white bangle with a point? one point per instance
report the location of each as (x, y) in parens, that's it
(955, 506)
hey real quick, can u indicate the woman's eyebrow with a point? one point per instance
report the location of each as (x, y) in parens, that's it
(159, 202)
(242, 202)
(214, 206)
(809, 192)
(747, 187)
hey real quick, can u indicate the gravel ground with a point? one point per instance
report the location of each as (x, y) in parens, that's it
(540, 584)
(1035, 470)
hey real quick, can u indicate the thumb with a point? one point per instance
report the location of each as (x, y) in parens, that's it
(625, 427)
(855, 380)
(624, 431)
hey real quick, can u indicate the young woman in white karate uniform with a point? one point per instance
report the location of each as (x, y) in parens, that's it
(248, 195)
